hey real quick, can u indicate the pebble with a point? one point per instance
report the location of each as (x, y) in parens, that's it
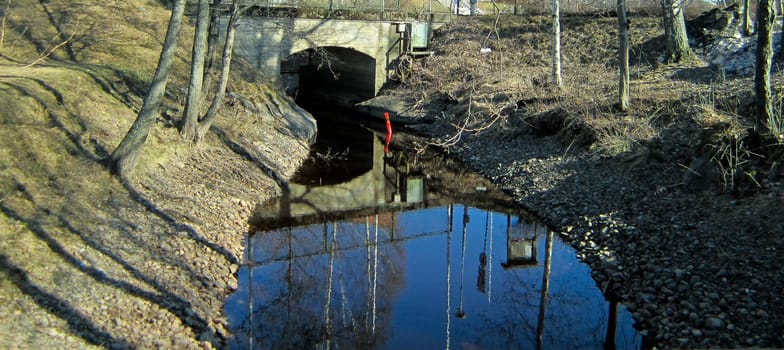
(714, 323)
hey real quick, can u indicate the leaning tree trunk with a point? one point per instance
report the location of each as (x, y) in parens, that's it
(765, 18)
(206, 122)
(557, 43)
(194, 99)
(124, 158)
(675, 31)
(623, 57)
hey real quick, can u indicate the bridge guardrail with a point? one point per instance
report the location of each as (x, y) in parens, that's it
(354, 9)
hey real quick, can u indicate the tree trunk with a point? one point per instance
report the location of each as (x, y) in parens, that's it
(623, 57)
(548, 263)
(612, 325)
(124, 158)
(557, 43)
(212, 42)
(765, 18)
(675, 31)
(747, 17)
(194, 99)
(206, 122)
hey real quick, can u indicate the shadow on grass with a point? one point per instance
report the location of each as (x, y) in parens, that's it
(75, 136)
(76, 322)
(699, 75)
(174, 224)
(166, 300)
(259, 160)
(100, 153)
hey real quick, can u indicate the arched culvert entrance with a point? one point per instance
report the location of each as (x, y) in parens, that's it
(334, 74)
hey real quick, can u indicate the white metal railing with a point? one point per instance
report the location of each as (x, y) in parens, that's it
(372, 6)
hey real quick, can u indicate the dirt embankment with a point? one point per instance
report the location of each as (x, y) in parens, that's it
(90, 261)
(672, 205)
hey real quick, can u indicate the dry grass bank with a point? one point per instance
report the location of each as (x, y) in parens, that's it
(85, 259)
(680, 112)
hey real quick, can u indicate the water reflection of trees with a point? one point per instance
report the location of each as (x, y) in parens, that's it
(324, 296)
(322, 286)
(530, 302)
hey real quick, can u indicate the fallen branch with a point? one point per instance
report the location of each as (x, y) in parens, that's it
(50, 51)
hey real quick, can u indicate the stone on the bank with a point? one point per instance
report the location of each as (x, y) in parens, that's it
(714, 323)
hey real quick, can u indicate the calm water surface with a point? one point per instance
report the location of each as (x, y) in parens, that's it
(382, 263)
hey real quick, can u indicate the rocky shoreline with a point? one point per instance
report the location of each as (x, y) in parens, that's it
(695, 269)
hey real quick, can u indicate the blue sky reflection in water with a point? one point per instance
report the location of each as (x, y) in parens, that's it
(409, 280)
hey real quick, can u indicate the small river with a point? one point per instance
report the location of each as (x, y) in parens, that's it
(370, 250)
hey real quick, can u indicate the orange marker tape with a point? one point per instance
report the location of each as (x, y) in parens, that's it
(389, 133)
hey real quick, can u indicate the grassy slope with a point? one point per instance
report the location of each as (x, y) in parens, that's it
(85, 259)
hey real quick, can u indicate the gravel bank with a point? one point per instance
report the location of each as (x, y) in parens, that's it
(695, 269)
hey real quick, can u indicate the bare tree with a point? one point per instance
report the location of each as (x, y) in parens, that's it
(557, 43)
(194, 100)
(212, 43)
(124, 158)
(747, 18)
(765, 18)
(220, 92)
(623, 57)
(675, 31)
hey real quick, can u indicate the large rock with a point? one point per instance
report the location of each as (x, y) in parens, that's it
(299, 122)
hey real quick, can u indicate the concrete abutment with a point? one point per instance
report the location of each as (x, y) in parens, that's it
(357, 54)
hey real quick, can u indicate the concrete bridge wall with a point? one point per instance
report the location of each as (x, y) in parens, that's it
(266, 42)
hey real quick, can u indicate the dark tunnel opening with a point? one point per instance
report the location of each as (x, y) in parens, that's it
(328, 81)
(328, 76)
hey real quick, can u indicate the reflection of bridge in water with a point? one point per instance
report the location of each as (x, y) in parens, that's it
(330, 263)
(367, 248)
(334, 284)
(332, 230)
(383, 188)
(521, 238)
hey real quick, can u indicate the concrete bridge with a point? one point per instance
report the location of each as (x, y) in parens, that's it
(350, 58)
